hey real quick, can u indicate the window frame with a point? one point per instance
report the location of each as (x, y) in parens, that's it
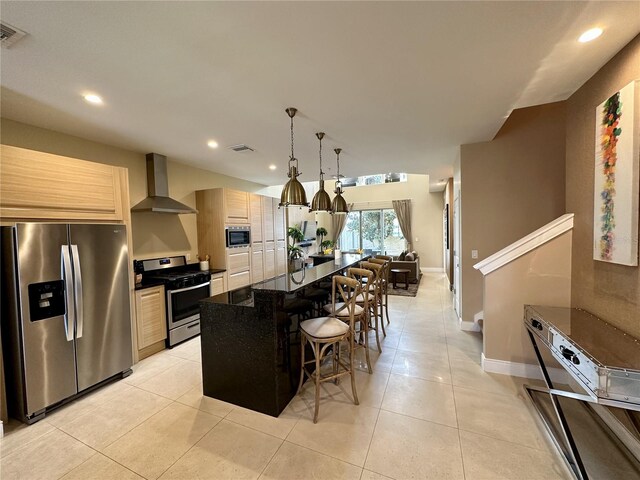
(382, 238)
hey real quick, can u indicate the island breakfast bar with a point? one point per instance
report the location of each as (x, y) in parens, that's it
(251, 346)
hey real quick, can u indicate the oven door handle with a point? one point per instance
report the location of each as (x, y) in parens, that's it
(200, 285)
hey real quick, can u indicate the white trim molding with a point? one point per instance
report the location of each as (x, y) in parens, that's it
(432, 269)
(468, 326)
(524, 370)
(526, 244)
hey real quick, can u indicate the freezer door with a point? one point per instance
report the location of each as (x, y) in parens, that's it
(45, 308)
(103, 323)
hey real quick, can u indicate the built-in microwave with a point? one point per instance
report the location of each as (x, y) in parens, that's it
(238, 236)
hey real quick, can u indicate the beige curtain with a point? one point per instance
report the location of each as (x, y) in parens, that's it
(338, 223)
(403, 212)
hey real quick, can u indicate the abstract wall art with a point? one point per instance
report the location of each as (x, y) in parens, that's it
(616, 191)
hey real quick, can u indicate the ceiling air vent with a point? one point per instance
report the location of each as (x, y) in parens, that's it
(9, 35)
(241, 148)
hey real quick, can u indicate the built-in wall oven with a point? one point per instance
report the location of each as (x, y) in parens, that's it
(184, 288)
(237, 236)
(183, 309)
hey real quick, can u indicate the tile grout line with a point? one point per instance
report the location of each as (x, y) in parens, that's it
(266, 465)
(375, 425)
(188, 449)
(455, 405)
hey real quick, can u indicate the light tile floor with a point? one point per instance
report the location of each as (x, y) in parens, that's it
(427, 411)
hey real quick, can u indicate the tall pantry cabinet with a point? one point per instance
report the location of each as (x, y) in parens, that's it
(266, 255)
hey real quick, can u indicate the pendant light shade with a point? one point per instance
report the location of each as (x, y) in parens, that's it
(293, 193)
(339, 204)
(321, 201)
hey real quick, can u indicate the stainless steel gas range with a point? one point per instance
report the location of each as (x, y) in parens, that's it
(185, 286)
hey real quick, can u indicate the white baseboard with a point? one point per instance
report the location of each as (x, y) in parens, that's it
(431, 269)
(524, 370)
(467, 326)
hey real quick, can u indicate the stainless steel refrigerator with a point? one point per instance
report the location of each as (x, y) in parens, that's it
(66, 323)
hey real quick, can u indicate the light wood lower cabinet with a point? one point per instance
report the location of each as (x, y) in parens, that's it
(150, 320)
(281, 257)
(269, 260)
(217, 284)
(238, 259)
(257, 266)
(240, 279)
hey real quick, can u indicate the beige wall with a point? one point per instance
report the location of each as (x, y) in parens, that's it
(511, 186)
(539, 277)
(605, 289)
(154, 235)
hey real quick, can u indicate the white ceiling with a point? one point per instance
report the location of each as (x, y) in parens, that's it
(399, 86)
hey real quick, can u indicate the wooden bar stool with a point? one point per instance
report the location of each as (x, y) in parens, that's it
(325, 332)
(385, 281)
(363, 276)
(375, 306)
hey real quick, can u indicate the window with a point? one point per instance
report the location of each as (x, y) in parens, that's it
(374, 179)
(375, 231)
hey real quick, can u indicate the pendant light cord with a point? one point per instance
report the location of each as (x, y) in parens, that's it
(338, 181)
(292, 157)
(321, 172)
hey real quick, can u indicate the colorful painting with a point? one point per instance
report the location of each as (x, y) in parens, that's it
(615, 233)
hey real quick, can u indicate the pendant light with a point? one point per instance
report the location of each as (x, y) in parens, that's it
(293, 193)
(339, 205)
(321, 200)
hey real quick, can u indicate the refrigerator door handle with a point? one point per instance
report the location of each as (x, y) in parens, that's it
(77, 275)
(69, 316)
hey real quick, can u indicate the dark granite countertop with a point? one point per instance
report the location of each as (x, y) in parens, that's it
(148, 284)
(215, 271)
(291, 282)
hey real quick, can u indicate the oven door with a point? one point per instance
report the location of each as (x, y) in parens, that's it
(183, 304)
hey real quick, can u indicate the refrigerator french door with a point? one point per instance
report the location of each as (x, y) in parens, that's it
(66, 319)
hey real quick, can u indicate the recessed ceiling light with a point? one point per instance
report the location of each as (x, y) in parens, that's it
(589, 35)
(93, 98)
(212, 144)
(272, 167)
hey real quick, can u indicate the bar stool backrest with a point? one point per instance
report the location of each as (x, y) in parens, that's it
(364, 277)
(378, 271)
(345, 290)
(384, 257)
(379, 261)
(386, 265)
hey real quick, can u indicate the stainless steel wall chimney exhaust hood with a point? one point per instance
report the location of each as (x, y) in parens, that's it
(158, 200)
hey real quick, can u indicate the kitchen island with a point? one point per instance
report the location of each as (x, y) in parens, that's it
(251, 346)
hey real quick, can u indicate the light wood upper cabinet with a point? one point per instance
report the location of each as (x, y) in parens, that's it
(236, 206)
(278, 221)
(255, 209)
(267, 220)
(46, 186)
(150, 316)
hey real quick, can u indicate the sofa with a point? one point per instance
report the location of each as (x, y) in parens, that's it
(412, 265)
